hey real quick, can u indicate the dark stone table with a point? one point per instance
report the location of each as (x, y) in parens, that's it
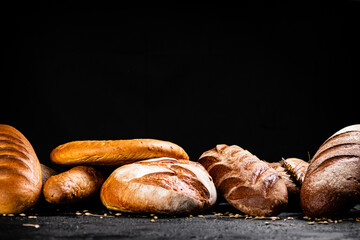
(93, 221)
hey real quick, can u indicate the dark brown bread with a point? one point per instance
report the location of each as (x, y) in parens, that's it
(245, 181)
(75, 185)
(46, 173)
(161, 185)
(20, 173)
(332, 182)
(114, 153)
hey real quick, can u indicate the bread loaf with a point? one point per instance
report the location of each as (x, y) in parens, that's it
(161, 185)
(75, 185)
(20, 173)
(114, 153)
(332, 182)
(246, 182)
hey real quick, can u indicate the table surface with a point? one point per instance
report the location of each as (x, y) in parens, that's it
(93, 221)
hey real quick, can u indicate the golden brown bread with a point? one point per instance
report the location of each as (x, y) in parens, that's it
(296, 168)
(161, 185)
(332, 182)
(75, 185)
(114, 153)
(245, 181)
(20, 173)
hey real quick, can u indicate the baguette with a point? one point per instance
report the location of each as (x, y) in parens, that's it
(246, 182)
(20, 172)
(114, 153)
(161, 185)
(75, 185)
(332, 182)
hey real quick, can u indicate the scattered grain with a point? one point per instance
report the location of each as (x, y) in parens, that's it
(323, 222)
(31, 225)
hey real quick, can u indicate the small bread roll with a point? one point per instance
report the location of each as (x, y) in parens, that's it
(75, 185)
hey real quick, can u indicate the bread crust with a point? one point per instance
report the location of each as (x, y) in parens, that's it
(296, 168)
(246, 182)
(75, 185)
(161, 185)
(114, 152)
(20, 172)
(332, 182)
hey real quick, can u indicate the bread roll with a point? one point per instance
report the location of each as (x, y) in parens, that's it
(332, 182)
(245, 181)
(114, 153)
(75, 185)
(161, 185)
(20, 173)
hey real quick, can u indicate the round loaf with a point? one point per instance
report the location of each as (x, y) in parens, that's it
(332, 182)
(161, 185)
(114, 152)
(20, 172)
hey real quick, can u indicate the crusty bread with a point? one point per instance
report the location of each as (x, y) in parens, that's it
(332, 182)
(161, 185)
(292, 170)
(245, 181)
(75, 185)
(114, 153)
(20, 173)
(296, 168)
(292, 188)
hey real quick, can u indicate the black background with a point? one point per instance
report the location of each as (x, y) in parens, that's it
(276, 79)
